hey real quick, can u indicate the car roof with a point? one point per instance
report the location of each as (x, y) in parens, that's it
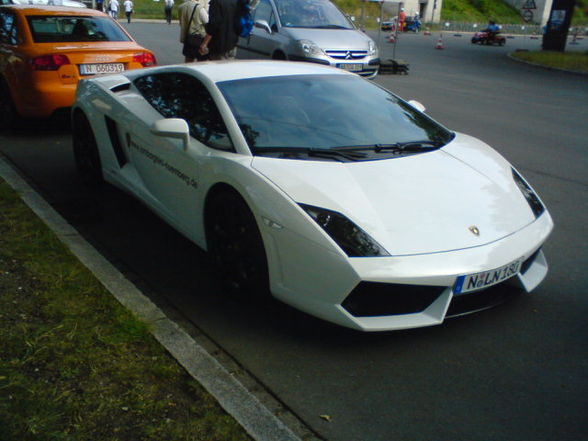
(229, 70)
(53, 10)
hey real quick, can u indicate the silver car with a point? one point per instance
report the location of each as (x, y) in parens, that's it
(309, 30)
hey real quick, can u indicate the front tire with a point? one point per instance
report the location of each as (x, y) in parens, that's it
(236, 246)
(85, 149)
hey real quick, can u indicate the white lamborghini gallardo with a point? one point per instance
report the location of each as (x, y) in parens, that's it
(317, 186)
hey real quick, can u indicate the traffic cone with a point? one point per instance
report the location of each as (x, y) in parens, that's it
(391, 39)
(427, 32)
(439, 44)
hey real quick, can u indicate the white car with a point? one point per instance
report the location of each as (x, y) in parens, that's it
(318, 186)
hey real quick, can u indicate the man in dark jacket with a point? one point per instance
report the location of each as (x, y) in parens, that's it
(221, 35)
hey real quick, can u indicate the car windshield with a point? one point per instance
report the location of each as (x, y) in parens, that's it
(320, 14)
(300, 116)
(61, 29)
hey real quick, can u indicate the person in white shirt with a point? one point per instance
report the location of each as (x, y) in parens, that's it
(169, 6)
(113, 9)
(193, 16)
(128, 4)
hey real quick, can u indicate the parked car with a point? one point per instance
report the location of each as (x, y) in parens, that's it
(309, 30)
(306, 181)
(46, 50)
(67, 3)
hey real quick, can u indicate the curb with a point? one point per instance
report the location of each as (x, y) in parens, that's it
(557, 69)
(259, 422)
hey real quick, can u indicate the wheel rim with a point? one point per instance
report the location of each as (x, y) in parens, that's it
(237, 247)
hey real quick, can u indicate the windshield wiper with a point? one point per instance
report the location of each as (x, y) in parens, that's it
(397, 147)
(335, 154)
(330, 26)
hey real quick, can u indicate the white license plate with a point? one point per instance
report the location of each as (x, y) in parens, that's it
(93, 69)
(353, 67)
(474, 282)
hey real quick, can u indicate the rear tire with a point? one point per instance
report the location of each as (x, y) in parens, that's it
(236, 246)
(85, 149)
(8, 113)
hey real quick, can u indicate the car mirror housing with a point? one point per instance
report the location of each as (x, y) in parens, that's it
(263, 25)
(172, 128)
(417, 105)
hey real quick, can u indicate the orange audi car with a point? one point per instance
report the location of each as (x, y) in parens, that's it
(46, 50)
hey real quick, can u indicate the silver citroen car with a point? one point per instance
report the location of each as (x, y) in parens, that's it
(309, 30)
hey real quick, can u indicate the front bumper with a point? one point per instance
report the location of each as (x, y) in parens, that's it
(366, 67)
(328, 286)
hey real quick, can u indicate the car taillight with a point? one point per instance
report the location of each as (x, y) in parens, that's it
(49, 62)
(145, 58)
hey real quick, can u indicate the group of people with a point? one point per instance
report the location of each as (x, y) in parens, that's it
(113, 6)
(208, 29)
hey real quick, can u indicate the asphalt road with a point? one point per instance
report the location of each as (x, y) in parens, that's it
(517, 372)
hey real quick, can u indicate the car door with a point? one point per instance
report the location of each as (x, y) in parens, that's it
(263, 42)
(168, 169)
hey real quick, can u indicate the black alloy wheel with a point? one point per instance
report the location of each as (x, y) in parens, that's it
(7, 110)
(236, 246)
(85, 149)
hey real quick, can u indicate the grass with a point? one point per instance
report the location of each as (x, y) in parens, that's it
(74, 364)
(575, 61)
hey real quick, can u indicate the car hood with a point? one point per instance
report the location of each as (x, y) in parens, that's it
(417, 204)
(332, 39)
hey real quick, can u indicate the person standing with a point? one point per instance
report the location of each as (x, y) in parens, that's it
(193, 17)
(401, 19)
(169, 7)
(128, 5)
(221, 35)
(113, 9)
(100, 5)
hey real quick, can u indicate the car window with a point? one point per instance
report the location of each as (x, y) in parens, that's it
(311, 14)
(325, 112)
(179, 95)
(58, 29)
(8, 28)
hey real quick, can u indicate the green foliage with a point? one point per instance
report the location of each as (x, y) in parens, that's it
(76, 365)
(575, 61)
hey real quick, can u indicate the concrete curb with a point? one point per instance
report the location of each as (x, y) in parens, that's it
(256, 419)
(542, 66)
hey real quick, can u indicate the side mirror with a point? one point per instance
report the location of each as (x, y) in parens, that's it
(172, 128)
(417, 105)
(262, 24)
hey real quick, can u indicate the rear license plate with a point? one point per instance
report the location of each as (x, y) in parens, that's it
(473, 282)
(93, 69)
(352, 67)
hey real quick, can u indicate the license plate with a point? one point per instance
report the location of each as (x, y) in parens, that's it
(93, 69)
(474, 282)
(353, 67)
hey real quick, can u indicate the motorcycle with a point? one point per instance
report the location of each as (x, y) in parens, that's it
(488, 38)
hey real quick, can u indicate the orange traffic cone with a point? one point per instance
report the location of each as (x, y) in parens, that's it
(427, 32)
(391, 39)
(439, 44)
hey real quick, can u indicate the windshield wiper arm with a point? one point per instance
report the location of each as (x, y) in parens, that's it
(314, 152)
(397, 147)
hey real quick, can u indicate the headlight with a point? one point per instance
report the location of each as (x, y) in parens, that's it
(372, 48)
(353, 240)
(529, 194)
(309, 48)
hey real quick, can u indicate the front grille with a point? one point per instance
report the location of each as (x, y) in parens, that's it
(346, 55)
(479, 300)
(370, 299)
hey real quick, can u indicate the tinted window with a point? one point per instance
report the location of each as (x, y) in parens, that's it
(8, 29)
(325, 112)
(311, 14)
(264, 11)
(178, 95)
(51, 29)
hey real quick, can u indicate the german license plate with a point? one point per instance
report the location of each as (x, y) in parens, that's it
(101, 68)
(474, 282)
(353, 67)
